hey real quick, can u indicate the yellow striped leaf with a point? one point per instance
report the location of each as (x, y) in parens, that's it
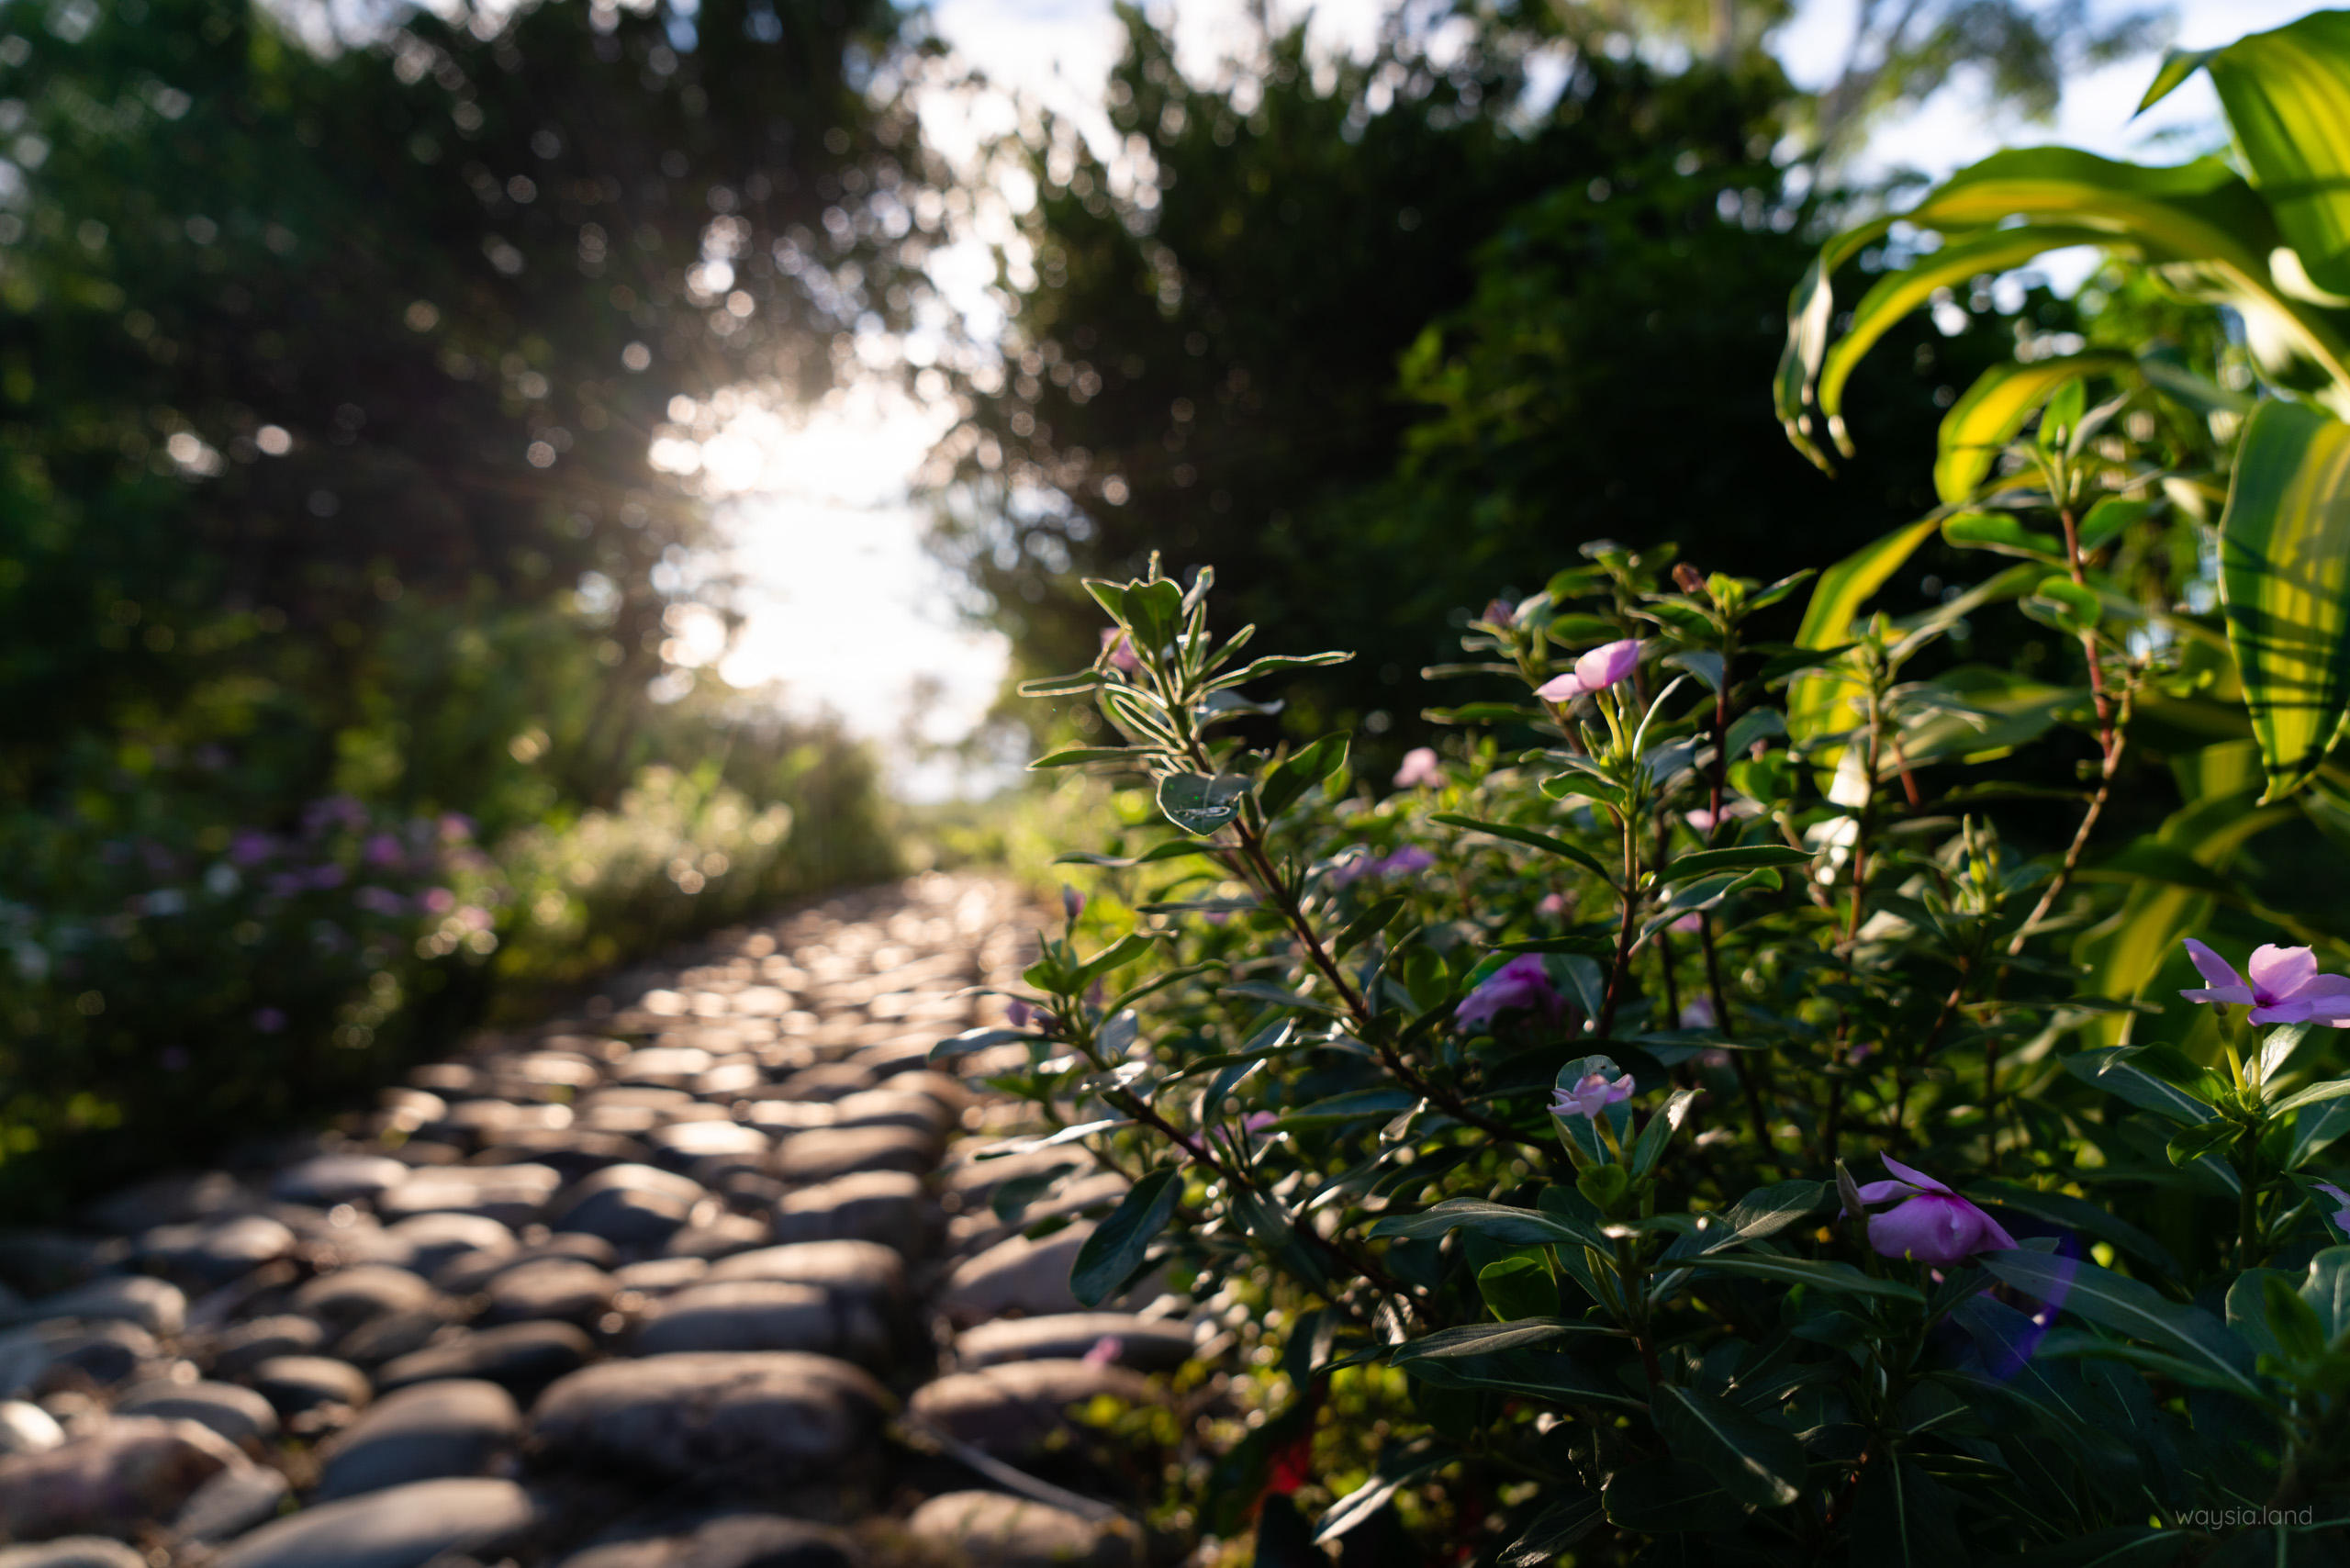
(1980, 425)
(2285, 585)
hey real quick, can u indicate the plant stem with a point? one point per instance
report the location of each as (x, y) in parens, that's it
(2073, 852)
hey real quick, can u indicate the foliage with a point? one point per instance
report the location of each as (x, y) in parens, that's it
(1536, 1082)
(326, 371)
(1557, 1082)
(1367, 338)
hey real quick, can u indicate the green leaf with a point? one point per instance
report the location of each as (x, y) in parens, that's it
(2327, 1291)
(1130, 757)
(2002, 533)
(1114, 1251)
(1487, 1338)
(2287, 94)
(1173, 849)
(2106, 1070)
(1841, 1278)
(1561, 1523)
(1155, 610)
(1278, 664)
(1061, 685)
(1992, 412)
(1711, 862)
(1266, 990)
(1756, 1462)
(2076, 1213)
(1299, 772)
(2191, 1144)
(971, 1040)
(1815, 697)
(1663, 1124)
(1116, 956)
(1896, 294)
(1497, 1221)
(1396, 1472)
(1516, 1289)
(2311, 1134)
(1902, 1519)
(1348, 1106)
(2109, 519)
(1201, 805)
(2178, 65)
(2064, 604)
(1368, 924)
(2314, 1095)
(2116, 1301)
(1703, 663)
(1671, 1497)
(2285, 585)
(1529, 837)
(1590, 944)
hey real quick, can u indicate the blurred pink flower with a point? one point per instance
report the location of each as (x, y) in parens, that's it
(1697, 1012)
(383, 849)
(1936, 1225)
(1072, 902)
(1420, 767)
(474, 917)
(1595, 671)
(1592, 1095)
(1701, 819)
(1522, 982)
(1019, 1014)
(1104, 1352)
(439, 901)
(1118, 647)
(1499, 614)
(1689, 925)
(1552, 903)
(2285, 986)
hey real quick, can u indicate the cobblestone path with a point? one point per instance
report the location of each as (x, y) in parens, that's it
(694, 1280)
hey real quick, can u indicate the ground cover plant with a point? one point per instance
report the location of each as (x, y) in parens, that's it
(1759, 1096)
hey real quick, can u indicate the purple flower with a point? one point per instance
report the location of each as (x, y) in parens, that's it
(324, 877)
(1357, 863)
(250, 847)
(1592, 1095)
(2285, 986)
(2341, 1216)
(1521, 983)
(1595, 671)
(1405, 861)
(1420, 767)
(380, 901)
(1698, 1013)
(1019, 1014)
(1499, 614)
(1118, 647)
(383, 850)
(1072, 902)
(269, 1020)
(1105, 1351)
(1936, 1225)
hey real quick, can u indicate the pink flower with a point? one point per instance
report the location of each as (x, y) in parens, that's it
(1119, 649)
(1072, 900)
(1936, 1225)
(1689, 925)
(1552, 903)
(2286, 987)
(1499, 614)
(1595, 671)
(1420, 767)
(1698, 1013)
(1592, 1095)
(1105, 1351)
(1522, 982)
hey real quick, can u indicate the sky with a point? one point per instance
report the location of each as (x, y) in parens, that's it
(841, 607)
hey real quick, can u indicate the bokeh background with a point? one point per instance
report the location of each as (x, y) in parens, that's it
(485, 492)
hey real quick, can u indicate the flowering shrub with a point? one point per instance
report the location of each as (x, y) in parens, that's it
(1531, 1118)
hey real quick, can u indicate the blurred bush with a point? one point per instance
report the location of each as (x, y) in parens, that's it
(335, 583)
